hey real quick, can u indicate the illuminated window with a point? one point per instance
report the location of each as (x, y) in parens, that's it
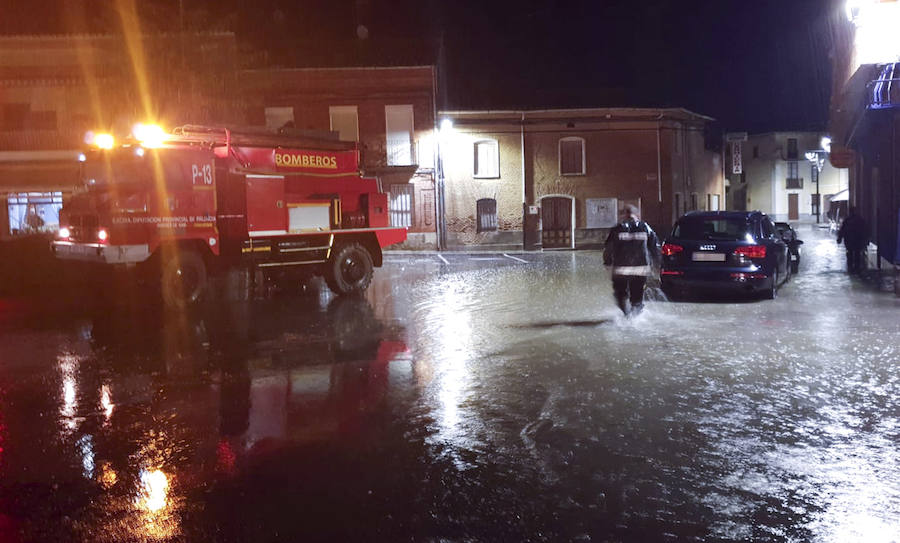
(793, 176)
(571, 156)
(344, 121)
(487, 159)
(399, 135)
(400, 205)
(712, 202)
(486, 213)
(33, 212)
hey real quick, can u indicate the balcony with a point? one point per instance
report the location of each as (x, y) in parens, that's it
(884, 92)
(400, 152)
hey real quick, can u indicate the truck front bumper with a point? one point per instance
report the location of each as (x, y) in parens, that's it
(102, 254)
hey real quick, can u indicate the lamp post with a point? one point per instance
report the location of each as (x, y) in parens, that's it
(817, 161)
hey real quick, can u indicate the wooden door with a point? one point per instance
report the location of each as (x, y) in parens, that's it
(556, 222)
(793, 206)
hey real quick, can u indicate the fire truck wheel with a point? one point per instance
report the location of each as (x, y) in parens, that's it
(183, 280)
(349, 270)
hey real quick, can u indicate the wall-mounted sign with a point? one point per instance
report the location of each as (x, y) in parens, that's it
(737, 165)
(602, 212)
(736, 136)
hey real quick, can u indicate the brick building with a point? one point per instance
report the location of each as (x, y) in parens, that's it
(53, 89)
(557, 178)
(390, 111)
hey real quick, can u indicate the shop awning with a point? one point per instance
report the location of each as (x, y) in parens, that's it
(841, 196)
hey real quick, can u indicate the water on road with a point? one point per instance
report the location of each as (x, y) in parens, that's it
(464, 399)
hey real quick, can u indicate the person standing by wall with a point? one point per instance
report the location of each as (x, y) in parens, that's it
(631, 249)
(854, 232)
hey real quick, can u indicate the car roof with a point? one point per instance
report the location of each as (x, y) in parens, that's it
(724, 214)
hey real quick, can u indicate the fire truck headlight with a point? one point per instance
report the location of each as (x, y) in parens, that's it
(102, 235)
(104, 141)
(150, 135)
(64, 233)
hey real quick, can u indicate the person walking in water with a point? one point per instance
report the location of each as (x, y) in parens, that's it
(631, 249)
(854, 232)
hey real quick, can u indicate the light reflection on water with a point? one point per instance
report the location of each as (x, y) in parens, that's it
(67, 365)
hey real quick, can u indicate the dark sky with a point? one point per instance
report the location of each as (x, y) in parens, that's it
(755, 65)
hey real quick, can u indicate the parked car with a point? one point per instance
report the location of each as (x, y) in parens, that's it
(789, 236)
(737, 251)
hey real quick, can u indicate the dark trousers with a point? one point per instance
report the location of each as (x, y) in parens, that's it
(855, 258)
(631, 287)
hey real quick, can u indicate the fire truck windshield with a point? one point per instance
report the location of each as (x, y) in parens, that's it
(107, 169)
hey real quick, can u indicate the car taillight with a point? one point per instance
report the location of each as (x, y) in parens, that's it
(64, 233)
(751, 251)
(669, 249)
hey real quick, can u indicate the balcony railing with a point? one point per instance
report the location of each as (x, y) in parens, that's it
(884, 92)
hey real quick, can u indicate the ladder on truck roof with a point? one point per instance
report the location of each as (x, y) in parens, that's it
(257, 136)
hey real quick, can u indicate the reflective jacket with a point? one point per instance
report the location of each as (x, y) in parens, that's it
(631, 248)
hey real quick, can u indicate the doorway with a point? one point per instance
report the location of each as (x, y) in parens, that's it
(793, 206)
(557, 222)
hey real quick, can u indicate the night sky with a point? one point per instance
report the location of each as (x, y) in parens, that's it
(755, 65)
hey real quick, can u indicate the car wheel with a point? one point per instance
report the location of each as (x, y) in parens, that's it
(349, 271)
(772, 292)
(183, 280)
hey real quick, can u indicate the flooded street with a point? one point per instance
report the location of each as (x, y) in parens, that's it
(468, 398)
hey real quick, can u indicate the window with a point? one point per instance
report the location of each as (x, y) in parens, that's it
(486, 213)
(279, 117)
(487, 159)
(34, 212)
(768, 229)
(792, 151)
(694, 201)
(345, 122)
(712, 202)
(400, 205)
(793, 176)
(702, 228)
(571, 156)
(398, 122)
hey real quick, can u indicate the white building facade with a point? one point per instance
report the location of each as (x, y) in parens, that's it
(778, 176)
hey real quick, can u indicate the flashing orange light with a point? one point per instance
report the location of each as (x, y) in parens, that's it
(104, 141)
(150, 135)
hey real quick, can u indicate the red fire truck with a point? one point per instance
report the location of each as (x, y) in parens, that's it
(204, 200)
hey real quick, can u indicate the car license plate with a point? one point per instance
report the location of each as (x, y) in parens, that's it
(708, 257)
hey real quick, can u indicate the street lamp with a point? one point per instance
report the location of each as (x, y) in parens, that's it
(817, 161)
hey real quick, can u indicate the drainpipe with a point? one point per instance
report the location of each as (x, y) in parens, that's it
(524, 186)
(659, 158)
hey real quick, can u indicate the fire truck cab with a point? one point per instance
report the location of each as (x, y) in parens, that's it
(205, 200)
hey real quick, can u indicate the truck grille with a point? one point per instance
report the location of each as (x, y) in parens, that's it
(84, 228)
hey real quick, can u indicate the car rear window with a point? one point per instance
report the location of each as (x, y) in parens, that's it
(712, 228)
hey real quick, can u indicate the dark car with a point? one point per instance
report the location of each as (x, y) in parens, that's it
(738, 251)
(789, 236)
